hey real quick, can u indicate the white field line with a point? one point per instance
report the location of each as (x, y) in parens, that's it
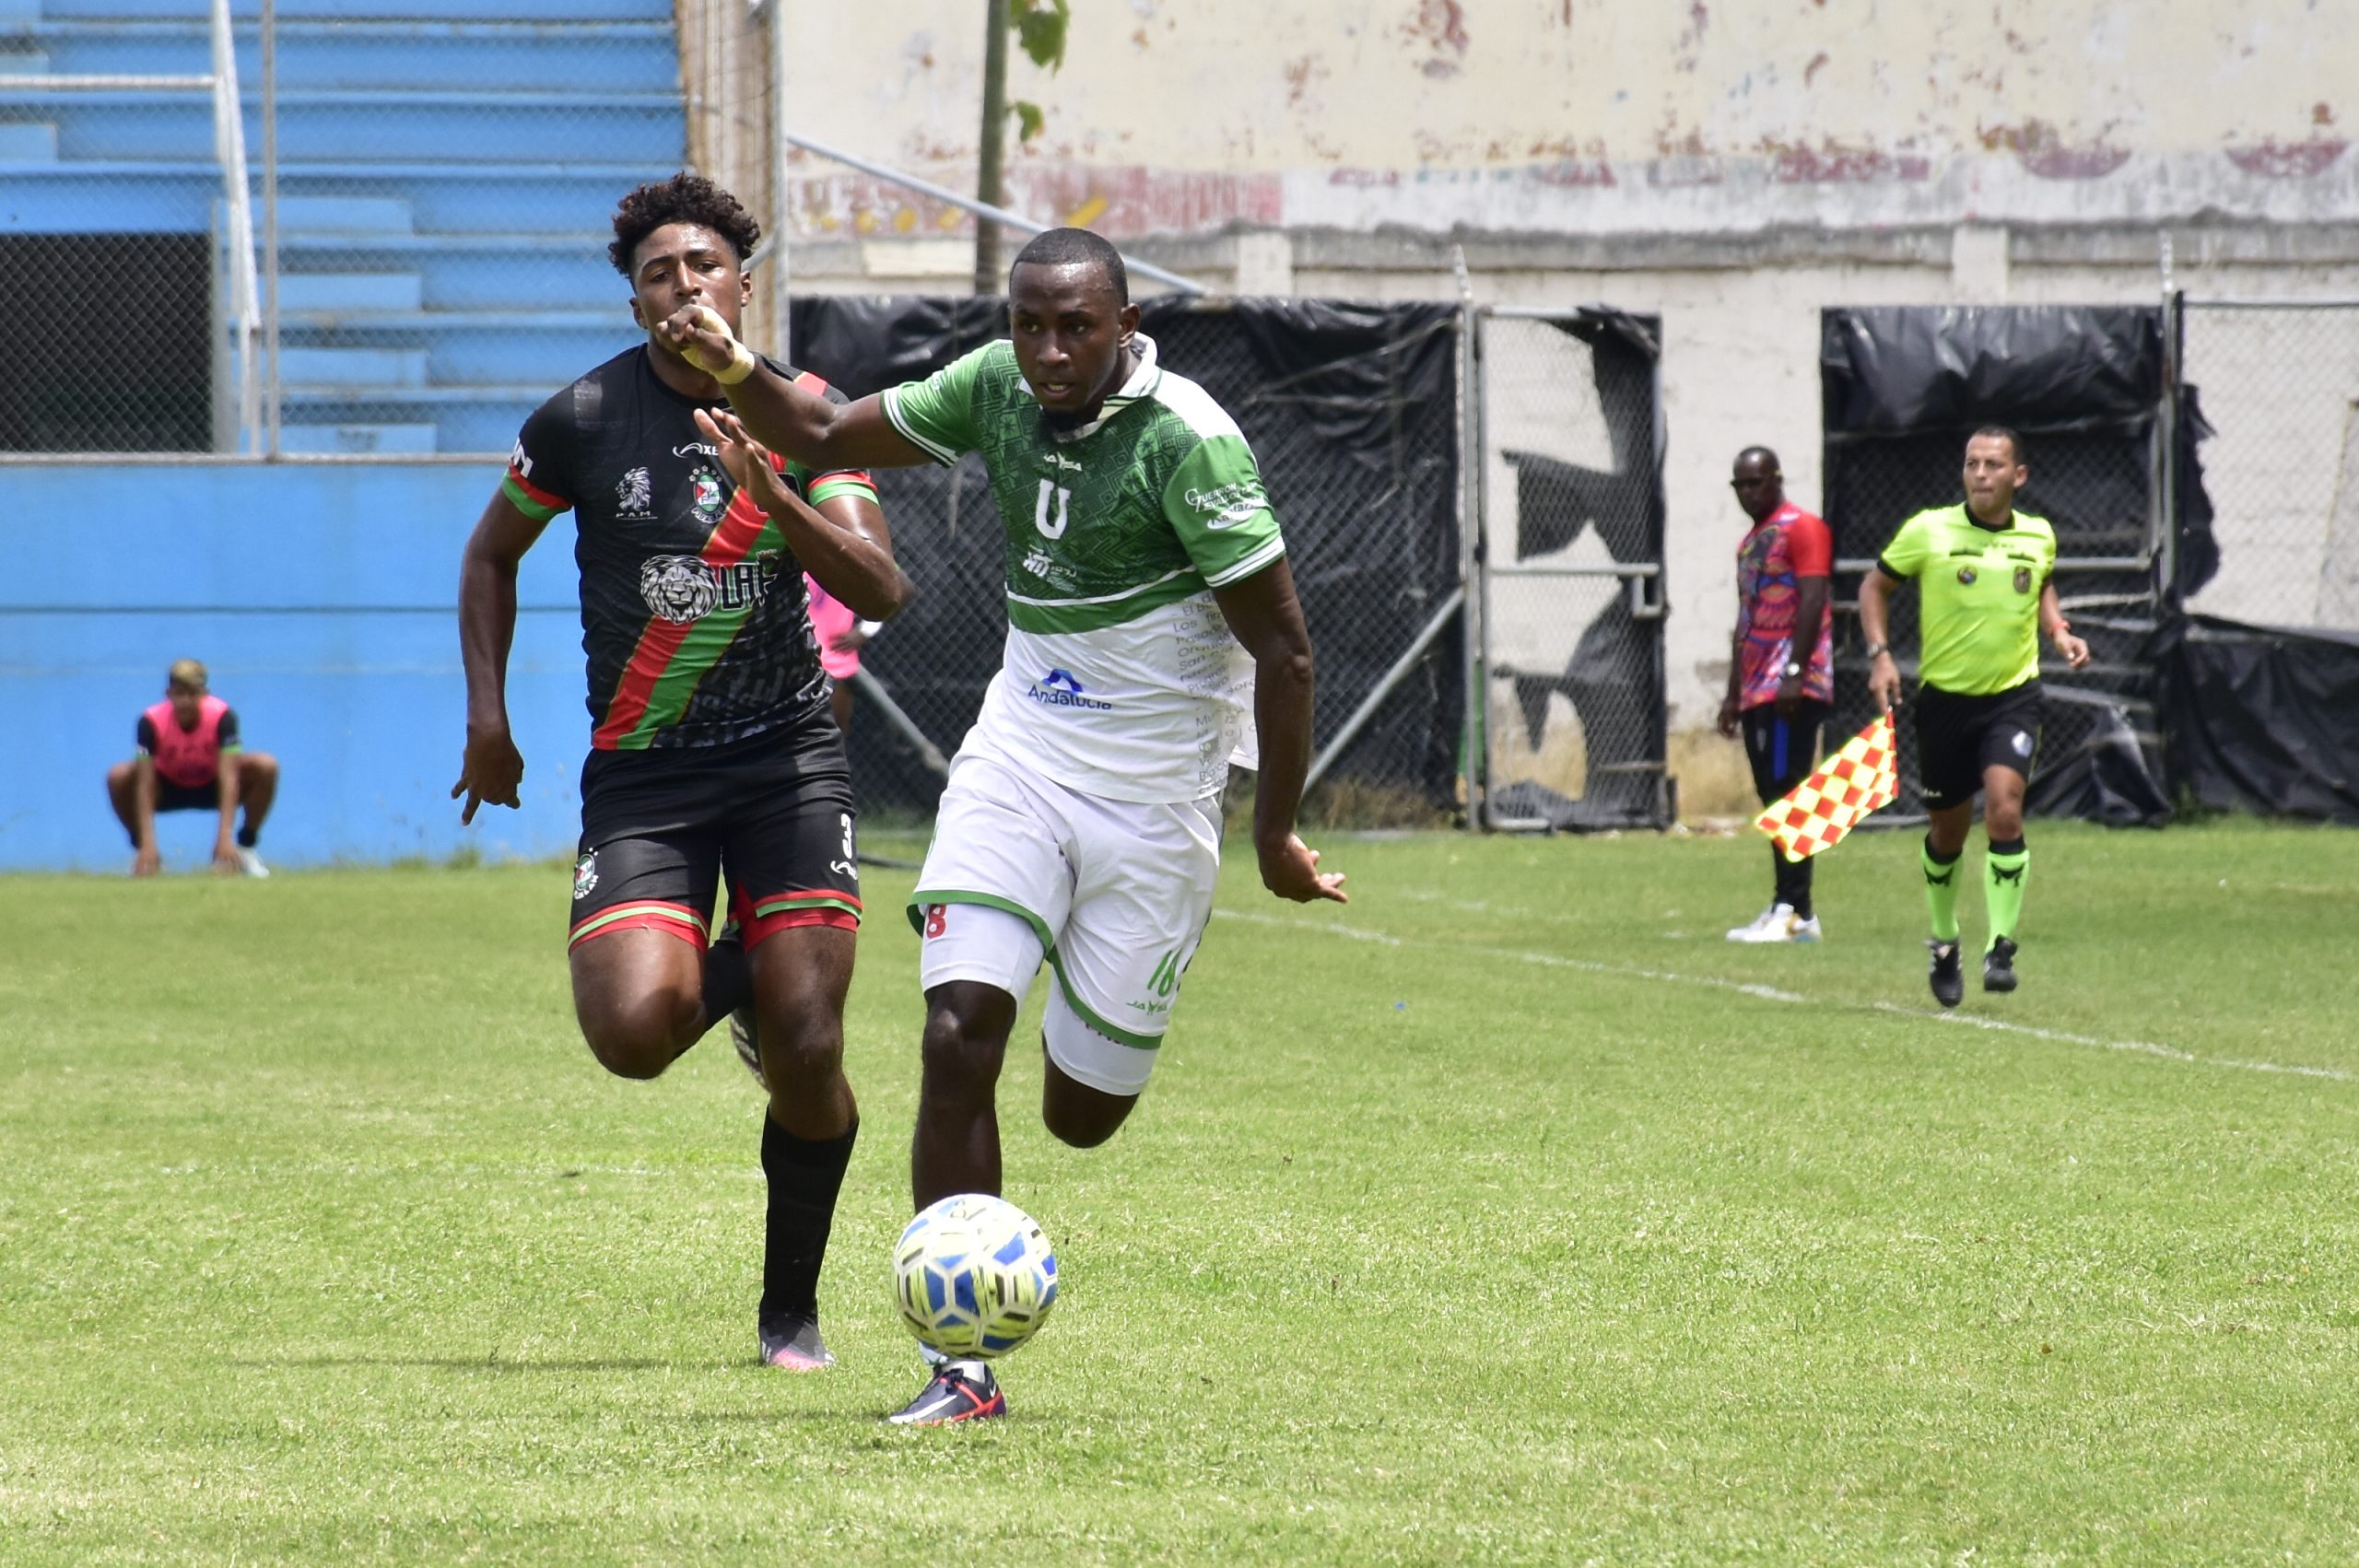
(1771, 993)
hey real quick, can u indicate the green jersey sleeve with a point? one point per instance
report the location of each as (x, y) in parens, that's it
(1910, 548)
(937, 414)
(1216, 502)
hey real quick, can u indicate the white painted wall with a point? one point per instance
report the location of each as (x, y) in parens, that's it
(1732, 166)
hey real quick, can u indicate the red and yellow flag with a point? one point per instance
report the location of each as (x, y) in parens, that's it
(1855, 781)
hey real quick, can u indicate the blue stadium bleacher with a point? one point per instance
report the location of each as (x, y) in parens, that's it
(445, 178)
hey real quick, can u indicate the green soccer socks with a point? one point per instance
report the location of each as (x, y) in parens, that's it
(1941, 892)
(2004, 869)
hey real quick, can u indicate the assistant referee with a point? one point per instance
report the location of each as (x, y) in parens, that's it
(1982, 571)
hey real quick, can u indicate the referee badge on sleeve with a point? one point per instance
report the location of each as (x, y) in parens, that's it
(2022, 579)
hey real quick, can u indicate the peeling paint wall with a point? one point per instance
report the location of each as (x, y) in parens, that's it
(1733, 167)
(1187, 116)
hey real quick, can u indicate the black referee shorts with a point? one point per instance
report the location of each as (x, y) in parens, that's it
(1958, 736)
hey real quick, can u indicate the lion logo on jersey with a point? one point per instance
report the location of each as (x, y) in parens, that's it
(632, 491)
(678, 589)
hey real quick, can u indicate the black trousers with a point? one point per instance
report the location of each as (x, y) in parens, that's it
(1783, 751)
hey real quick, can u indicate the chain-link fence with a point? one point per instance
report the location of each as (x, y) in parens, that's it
(1571, 508)
(2277, 383)
(434, 186)
(2095, 475)
(1352, 412)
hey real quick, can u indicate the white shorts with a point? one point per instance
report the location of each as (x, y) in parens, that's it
(1114, 893)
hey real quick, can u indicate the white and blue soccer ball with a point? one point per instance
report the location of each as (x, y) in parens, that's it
(974, 1276)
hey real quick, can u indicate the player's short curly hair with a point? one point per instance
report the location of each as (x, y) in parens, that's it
(684, 198)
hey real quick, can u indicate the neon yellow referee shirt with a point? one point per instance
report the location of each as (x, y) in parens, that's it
(1978, 596)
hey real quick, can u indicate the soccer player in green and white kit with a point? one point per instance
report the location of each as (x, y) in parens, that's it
(1982, 574)
(1149, 601)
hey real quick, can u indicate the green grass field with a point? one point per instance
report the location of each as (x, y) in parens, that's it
(1508, 1214)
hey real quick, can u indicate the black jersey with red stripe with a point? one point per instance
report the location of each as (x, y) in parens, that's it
(693, 613)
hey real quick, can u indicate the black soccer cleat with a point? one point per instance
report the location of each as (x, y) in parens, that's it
(1999, 966)
(791, 1343)
(1948, 986)
(959, 1390)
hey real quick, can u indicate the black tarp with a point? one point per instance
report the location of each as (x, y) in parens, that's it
(1352, 411)
(2261, 718)
(2085, 386)
(1899, 369)
(1614, 678)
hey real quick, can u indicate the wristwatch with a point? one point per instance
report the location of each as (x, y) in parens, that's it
(1877, 649)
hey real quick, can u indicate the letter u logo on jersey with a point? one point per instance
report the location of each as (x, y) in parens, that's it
(1050, 490)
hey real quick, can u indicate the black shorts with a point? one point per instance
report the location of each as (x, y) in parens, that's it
(171, 796)
(1783, 751)
(1958, 736)
(658, 828)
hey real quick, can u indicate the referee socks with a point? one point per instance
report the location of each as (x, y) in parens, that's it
(1940, 891)
(2005, 869)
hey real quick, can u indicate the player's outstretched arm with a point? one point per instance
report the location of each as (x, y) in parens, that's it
(1267, 618)
(808, 428)
(492, 766)
(842, 541)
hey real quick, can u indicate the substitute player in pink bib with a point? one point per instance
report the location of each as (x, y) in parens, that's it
(189, 758)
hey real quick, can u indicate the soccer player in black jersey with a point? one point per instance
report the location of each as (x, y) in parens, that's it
(712, 745)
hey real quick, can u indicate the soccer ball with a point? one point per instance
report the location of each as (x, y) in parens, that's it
(973, 1276)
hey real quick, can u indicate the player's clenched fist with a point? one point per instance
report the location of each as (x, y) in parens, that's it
(698, 334)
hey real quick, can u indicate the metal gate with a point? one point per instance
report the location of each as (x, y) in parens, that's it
(1565, 697)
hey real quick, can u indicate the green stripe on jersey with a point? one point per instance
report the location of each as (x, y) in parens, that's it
(537, 510)
(1082, 615)
(707, 639)
(829, 489)
(1112, 1031)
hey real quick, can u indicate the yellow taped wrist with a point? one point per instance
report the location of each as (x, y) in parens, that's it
(740, 364)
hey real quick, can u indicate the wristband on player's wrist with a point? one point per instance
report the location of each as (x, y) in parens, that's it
(741, 359)
(1879, 651)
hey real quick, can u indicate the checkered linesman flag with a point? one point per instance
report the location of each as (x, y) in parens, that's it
(1855, 781)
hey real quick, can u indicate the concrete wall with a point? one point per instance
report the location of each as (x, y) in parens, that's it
(323, 600)
(1732, 166)
(1571, 116)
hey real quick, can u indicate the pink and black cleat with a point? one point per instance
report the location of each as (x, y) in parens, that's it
(793, 1344)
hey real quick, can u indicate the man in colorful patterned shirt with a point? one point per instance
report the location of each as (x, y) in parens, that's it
(1149, 602)
(1781, 667)
(1984, 594)
(712, 747)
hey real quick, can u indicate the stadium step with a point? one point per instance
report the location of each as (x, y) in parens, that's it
(454, 127)
(334, 10)
(344, 214)
(339, 293)
(404, 440)
(344, 369)
(465, 349)
(476, 272)
(466, 420)
(587, 58)
(27, 141)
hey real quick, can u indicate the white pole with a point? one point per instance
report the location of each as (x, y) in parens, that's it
(781, 205)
